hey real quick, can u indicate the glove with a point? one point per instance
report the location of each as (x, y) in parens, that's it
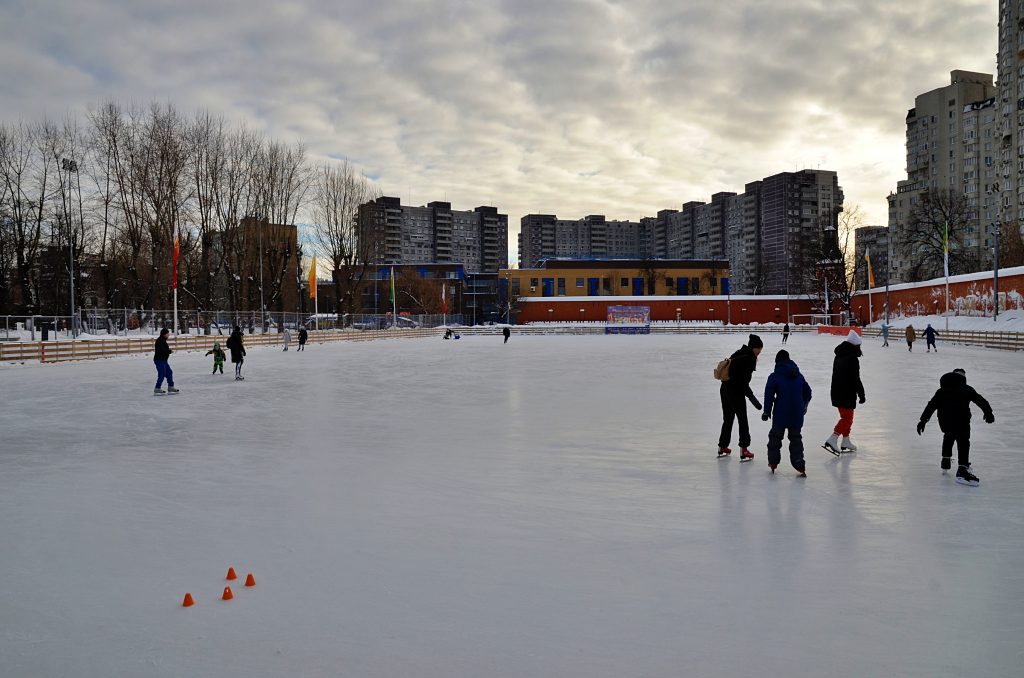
(989, 418)
(755, 402)
(920, 427)
(765, 416)
(862, 400)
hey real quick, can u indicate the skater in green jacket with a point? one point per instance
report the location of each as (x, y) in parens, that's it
(218, 357)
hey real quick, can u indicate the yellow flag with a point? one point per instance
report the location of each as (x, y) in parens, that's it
(871, 274)
(312, 280)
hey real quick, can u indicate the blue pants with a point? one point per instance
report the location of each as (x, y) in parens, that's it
(796, 446)
(163, 370)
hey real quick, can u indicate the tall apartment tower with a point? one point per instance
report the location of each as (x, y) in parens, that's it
(543, 236)
(952, 145)
(1008, 200)
(434, 234)
(873, 240)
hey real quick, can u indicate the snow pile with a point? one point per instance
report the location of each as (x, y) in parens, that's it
(1008, 321)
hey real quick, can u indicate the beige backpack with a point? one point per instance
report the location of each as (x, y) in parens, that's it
(722, 370)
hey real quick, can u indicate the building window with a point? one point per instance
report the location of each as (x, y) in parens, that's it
(579, 283)
(670, 282)
(561, 287)
(623, 282)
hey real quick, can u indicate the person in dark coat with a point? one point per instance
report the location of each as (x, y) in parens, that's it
(953, 403)
(161, 352)
(785, 333)
(507, 333)
(734, 391)
(237, 348)
(847, 390)
(911, 337)
(303, 336)
(929, 338)
(786, 396)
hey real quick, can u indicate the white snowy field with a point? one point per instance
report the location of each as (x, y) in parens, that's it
(549, 507)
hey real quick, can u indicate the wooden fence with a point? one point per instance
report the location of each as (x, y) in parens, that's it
(1010, 341)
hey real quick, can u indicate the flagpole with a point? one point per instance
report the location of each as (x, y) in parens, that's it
(394, 300)
(175, 282)
(945, 266)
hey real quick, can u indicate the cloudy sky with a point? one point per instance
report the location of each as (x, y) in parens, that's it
(570, 107)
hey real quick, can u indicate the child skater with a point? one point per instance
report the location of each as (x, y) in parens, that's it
(218, 357)
(953, 402)
(786, 396)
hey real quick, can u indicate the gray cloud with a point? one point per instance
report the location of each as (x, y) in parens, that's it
(572, 107)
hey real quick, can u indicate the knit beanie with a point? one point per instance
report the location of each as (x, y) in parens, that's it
(755, 341)
(782, 356)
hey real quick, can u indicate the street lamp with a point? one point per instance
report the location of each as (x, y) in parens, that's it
(995, 274)
(70, 166)
(581, 315)
(551, 312)
(679, 317)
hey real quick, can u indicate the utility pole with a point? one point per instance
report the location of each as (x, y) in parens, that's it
(995, 275)
(69, 166)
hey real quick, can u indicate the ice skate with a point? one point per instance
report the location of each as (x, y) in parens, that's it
(832, 444)
(965, 477)
(746, 455)
(724, 452)
(239, 377)
(773, 467)
(172, 389)
(159, 391)
(945, 465)
(848, 445)
(801, 474)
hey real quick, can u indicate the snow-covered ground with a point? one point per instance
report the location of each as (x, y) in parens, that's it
(1008, 321)
(549, 507)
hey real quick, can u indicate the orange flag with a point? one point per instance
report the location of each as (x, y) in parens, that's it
(312, 280)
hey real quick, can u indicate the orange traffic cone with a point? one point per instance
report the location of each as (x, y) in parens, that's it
(250, 580)
(231, 574)
(227, 594)
(188, 602)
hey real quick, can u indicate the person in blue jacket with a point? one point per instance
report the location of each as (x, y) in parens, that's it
(929, 335)
(786, 396)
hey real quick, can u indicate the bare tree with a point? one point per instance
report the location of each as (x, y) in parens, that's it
(924, 245)
(1011, 245)
(651, 274)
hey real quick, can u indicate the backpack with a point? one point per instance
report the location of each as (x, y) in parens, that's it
(722, 370)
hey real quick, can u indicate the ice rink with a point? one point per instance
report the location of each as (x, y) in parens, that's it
(550, 507)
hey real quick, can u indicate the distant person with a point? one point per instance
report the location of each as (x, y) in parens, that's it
(161, 353)
(953, 402)
(734, 391)
(785, 333)
(237, 348)
(847, 390)
(287, 338)
(786, 396)
(507, 333)
(885, 333)
(929, 338)
(218, 357)
(448, 333)
(303, 336)
(911, 337)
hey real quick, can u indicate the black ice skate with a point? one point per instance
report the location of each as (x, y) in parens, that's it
(965, 477)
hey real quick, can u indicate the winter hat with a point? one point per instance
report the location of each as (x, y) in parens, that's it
(961, 370)
(755, 341)
(781, 356)
(854, 338)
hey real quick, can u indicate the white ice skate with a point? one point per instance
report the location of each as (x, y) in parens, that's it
(848, 445)
(832, 444)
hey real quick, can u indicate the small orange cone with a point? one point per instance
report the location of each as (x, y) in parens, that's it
(250, 580)
(188, 602)
(227, 594)
(231, 574)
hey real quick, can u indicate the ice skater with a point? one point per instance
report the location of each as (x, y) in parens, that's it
(287, 338)
(885, 333)
(786, 396)
(303, 336)
(785, 333)
(734, 390)
(218, 357)
(237, 348)
(847, 390)
(161, 352)
(506, 332)
(911, 337)
(953, 402)
(929, 338)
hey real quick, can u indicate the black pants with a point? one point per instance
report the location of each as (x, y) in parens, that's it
(962, 437)
(733, 406)
(931, 345)
(796, 447)
(785, 336)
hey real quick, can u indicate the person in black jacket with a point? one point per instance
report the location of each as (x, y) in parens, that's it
(506, 332)
(953, 402)
(785, 333)
(734, 391)
(161, 352)
(237, 349)
(847, 390)
(303, 335)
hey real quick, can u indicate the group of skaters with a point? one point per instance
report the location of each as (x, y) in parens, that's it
(911, 335)
(787, 395)
(235, 347)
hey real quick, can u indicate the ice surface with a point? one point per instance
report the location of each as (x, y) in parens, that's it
(549, 507)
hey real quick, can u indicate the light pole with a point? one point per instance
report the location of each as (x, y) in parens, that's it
(995, 275)
(581, 315)
(70, 166)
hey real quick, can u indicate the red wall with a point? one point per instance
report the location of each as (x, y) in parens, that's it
(758, 309)
(966, 297)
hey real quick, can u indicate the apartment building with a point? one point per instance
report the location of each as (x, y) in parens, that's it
(873, 239)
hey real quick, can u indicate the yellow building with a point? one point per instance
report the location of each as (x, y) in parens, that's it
(618, 277)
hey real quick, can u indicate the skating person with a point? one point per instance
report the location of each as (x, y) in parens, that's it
(885, 334)
(218, 357)
(785, 333)
(929, 338)
(911, 337)
(846, 391)
(237, 349)
(786, 396)
(287, 338)
(303, 336)
(506, 332)
(161, 352)
(733, 391)
(953, 402)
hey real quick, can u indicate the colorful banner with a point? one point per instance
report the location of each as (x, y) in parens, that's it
(177, 251)
(312, 280)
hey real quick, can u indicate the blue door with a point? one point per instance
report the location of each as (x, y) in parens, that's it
(682, 286)
(549, 287)
(725, 286)
(638, 287)
(592, 284)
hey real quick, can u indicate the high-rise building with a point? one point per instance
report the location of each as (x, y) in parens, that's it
(393, 233)
(545, 236)
(875, 241)
(951, 149)
(1006, 197)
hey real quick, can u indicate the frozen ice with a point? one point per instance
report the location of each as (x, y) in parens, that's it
(548, 507)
